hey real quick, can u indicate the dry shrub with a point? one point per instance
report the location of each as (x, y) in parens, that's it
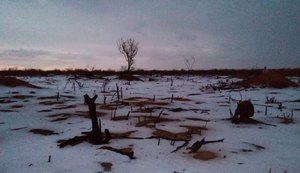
(205, 155)
(244, 110)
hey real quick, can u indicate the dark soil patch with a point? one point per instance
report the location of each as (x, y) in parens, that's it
(7, 110)
(194, 94)
(268, 79)
(47, 98)
(45, 110)
(296, 101)
(55, 97)
(205, 155)
(51, 102)
(182, 99)
(16, 106)
(44, 132)
(59, 119)
(5, 101)
(121, 135)
(106, 166)
(246, 150)
(22, 97)
(198, 119)
(138, 99)
(59, 107)
(14, 82)
(250, 121)
(128, 77)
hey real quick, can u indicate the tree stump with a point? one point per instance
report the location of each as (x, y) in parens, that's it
(96, 135)
(243, 112)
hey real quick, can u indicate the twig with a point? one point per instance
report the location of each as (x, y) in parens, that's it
(198, 144)
(181, 146)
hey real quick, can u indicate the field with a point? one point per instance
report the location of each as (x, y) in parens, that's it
(150, 117)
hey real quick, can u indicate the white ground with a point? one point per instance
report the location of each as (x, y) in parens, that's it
(23, 151)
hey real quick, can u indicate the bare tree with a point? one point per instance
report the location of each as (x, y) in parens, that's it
(129, 49)
(189, 63)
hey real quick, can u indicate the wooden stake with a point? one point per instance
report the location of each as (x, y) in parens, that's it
(57, 96)
(104, 99)
(49, 159)
(118, 95)
(115, 112)
(121, 93)
(159, 115)
(128, 115)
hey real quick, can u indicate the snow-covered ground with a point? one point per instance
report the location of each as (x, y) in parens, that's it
(23, 109)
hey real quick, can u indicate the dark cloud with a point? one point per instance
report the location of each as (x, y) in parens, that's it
(219, 33)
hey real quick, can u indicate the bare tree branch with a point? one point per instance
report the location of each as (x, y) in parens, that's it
(129, 49)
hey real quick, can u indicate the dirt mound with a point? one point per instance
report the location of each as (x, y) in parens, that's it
(269, 79)
(129, 77)
(14, 82)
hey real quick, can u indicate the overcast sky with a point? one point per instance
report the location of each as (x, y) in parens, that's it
(83, 33)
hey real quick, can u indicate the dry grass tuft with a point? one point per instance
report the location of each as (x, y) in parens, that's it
(172, 136)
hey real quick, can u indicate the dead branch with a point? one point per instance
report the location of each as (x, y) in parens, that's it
(73, 141)
(124, 151)
(181, 146)
(166, 138)
(198, 144)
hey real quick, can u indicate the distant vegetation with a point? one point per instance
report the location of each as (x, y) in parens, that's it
(90, 73)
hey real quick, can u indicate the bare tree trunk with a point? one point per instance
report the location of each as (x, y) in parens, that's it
(96, 135)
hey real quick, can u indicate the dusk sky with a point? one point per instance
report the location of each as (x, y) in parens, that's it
(52, 34)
